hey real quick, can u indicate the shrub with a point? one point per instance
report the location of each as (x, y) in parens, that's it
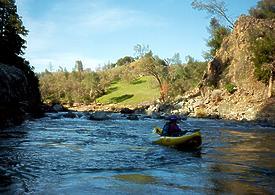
(263, 48)
(231, 88)
(264, 9)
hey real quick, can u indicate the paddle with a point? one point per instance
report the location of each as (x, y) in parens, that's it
(157, 130)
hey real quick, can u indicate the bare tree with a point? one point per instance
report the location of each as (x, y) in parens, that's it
(141, 50)
(214, 7)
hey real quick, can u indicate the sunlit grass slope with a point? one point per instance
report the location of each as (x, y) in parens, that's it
(138, 91)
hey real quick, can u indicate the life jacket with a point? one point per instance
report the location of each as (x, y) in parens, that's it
(171, 129)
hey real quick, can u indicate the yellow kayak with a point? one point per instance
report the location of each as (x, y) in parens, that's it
(189, 141)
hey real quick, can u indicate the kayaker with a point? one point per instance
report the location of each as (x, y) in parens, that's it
(171, 127)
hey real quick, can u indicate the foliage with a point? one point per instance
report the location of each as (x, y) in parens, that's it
(11, 30)
(263, 48)
(231, 88)
(185, 76)
(156, 67)
(215, 8)
(12, 45)
(79, 66)
(174, 60)
(141, 50)
(72, 87)
(129, 81)
(125, 61)
(265, 9)
(217, 35)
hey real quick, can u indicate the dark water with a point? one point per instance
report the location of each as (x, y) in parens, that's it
(54, 155)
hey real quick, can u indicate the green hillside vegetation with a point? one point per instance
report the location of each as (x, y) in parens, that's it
(141, 90)
(132, 82)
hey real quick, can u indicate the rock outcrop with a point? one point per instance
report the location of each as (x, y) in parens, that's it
(17, 96)
(233, 64)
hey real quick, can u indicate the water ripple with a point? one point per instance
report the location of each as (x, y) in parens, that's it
(72, 156)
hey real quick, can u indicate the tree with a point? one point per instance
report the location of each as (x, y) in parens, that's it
(217, 35)
(174, 60)
(184, 77)
(263, 49)
(79, 66)
(94, 85)
(214, 7)
(12, 45)
(156, 67)
(124, 61)
(141, 50)
(11, 30)
(265, 9)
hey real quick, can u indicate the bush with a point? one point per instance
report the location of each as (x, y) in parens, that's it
(265, 9)
(217, 35)
(185, 77)
(231, 88)
(263, 48)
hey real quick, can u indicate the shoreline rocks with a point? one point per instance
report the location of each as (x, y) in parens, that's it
(240, 106)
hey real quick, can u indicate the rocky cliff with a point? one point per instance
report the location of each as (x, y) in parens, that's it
(233, 64)
(17, 96)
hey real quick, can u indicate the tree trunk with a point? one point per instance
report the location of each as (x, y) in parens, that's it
(270, 85)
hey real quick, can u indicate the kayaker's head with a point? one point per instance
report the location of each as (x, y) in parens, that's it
(173, 118)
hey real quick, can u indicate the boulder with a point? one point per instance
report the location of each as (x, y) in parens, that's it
(57, 108)
(99, 115)
(126, 111)
(70, 115)
(18, 96)
(157, 115)
(132, 117)
(152, 109)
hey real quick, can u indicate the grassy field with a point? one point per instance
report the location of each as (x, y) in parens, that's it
(139, 91)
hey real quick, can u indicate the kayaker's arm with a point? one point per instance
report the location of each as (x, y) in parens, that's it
(165, 130)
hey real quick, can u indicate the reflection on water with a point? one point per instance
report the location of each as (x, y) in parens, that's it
(136, 178)
(78, 156)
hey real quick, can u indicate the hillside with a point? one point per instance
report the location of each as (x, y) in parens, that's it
(123, 93)
(233, 65)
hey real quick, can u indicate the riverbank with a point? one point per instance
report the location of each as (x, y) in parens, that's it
(216, 104)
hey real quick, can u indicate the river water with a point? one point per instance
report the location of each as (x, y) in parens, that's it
(56, 155)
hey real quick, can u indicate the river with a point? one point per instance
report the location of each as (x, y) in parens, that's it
(56, 155)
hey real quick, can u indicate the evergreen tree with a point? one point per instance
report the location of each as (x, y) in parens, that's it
(12, 45)
(11, 30)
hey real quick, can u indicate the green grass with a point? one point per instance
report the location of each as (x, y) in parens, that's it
(139, 91)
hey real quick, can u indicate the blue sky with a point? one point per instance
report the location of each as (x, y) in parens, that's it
(101, 31)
